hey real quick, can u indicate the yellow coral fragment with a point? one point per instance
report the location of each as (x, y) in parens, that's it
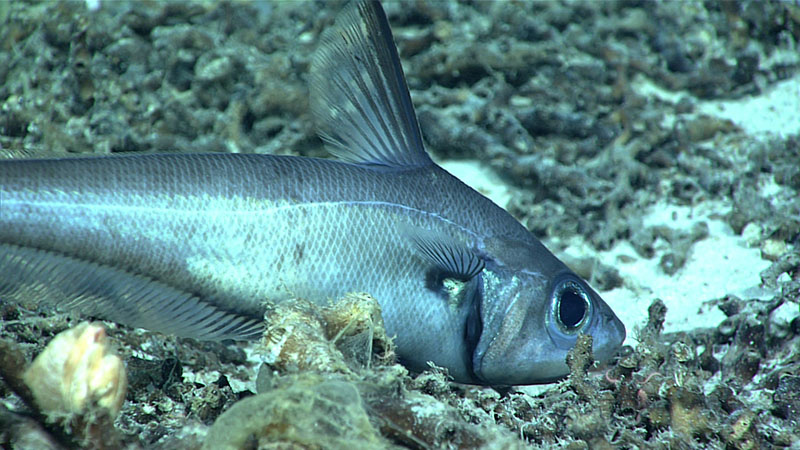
(78, 372)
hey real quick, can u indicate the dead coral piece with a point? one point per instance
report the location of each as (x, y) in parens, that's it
(355, 325)
(295, 339)
(302, 336)
(417, 420)
(311, 412)
(78, 373)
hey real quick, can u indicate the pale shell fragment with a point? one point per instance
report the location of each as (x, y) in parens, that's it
(78, 372)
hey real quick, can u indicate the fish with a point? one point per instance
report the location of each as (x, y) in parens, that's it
(196, 245)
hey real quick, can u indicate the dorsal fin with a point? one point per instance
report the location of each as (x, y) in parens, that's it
(359, 95)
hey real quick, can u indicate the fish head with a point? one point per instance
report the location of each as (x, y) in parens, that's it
(532, 310)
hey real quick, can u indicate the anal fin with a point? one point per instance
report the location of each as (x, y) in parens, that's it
(28, 274)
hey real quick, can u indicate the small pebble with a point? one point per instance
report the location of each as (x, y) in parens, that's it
(772, 249)
(752, 234)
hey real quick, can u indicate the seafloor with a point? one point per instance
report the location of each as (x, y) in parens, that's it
(655, 145)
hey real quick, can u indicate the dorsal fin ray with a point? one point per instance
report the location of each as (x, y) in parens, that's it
(359, 95)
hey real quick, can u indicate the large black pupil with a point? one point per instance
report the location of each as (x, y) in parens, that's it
(571, 308)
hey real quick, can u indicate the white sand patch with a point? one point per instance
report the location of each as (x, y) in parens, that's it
(776, 111)
(718, 265)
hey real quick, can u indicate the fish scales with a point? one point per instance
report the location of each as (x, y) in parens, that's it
(240, 229)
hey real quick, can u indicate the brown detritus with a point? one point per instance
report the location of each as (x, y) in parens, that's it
(343, 411)
(24, 432)
(434, 381)
(656, 315)
(12, 368)
(606, 277)
(295, 339)
(399, 424)
(688, 415)
(658, 415)
(421, 422)
(786, 399)
(743, 434)
(628, 360)
(707, 360)
(626, 399)
(37, 428)
(703, 127)
(788, 263)
(642, 239)
(303, 338)
(652, 350)
(682, 352)
(580, 359)
(746, 365)
(601, 276)
(588, 423)
(748, 348)
(207, 402)
(680, 244)
(730, 305)
(664, 385)
(723, 400)
(161, 374)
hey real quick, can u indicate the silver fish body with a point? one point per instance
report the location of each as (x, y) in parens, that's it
(196, 244)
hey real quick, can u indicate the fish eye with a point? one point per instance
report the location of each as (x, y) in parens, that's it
(571, 306)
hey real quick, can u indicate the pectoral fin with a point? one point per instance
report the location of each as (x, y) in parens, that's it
(452, 257)
(28, 274)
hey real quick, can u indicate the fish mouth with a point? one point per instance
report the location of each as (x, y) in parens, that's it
(609, 337)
